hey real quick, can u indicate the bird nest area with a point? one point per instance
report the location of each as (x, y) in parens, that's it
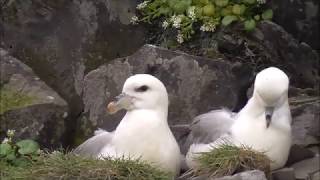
(69, 166)
(228, 160)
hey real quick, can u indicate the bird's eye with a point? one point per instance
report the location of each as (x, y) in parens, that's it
(142, 88)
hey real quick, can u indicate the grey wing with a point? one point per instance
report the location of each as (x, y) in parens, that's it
(208, 127)
(93, 146)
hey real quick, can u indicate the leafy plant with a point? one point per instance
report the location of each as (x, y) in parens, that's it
(185, 15)
(18, 154)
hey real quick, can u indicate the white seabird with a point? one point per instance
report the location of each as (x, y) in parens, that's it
(263, 124)
(143, 133)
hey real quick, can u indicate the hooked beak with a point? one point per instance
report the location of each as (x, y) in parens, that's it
(269, 112)
(123, 101)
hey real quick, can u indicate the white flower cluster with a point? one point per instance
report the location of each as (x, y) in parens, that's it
(142, 5)
(261, 1)
(192, 13)
(165, 24)
(176, 21)
(180, 38)
(10, 132)
(208, 27)
(5, 140)
(134, 20)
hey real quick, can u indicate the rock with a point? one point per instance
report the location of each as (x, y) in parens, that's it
(63, 40)
(195, 85)
(299, 60)
(301, 19)
(307, 169)
(247, 175)
(299, 153)
(283, 174)
(28, 105)
(305, 111)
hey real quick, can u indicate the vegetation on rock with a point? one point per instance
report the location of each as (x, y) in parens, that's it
(18, 154)
(58, 165)
(230, 159)
(12, 99)
(185, 16)
(24, 160)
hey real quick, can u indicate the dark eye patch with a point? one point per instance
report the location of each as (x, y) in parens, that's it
(142, 88)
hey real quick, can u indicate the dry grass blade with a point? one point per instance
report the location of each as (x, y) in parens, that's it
(69, 166)
(229, 159)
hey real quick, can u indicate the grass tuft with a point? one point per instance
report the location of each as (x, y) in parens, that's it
(229, 159)
(69, 166)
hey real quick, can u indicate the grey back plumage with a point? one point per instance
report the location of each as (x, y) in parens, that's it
(208, 127)
(93, 146)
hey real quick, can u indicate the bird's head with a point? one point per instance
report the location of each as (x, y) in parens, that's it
(271, 89)
(141, 91)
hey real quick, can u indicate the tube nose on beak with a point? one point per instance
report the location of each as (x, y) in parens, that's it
(123, 101)
(268, 115)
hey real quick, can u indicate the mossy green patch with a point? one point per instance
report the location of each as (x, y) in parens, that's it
(13, 99)
(58, 165)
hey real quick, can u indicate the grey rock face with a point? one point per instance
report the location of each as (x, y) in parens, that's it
(299, 60)
(307, 169)
(299, 18)
(42, 118)
(284, 174)
(62, 40)
(306, 120)
(247, 175)
(195, 85)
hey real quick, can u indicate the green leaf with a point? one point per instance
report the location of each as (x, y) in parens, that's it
(164, 10)
(257, 17)
(27, 146)
(267, 15)
(179, 7)
(238, 9)
(21, 162)
(226, 11)
(250, 1)
(249, 25)
(5, 149)
(228, 20)
(11, 156)
(198, 11)
(204, 2)
(208, 10)
(221, 3)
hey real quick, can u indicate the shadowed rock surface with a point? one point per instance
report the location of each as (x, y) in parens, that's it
(299, 18)
(63, 40)
(246, 175)
(42, 114)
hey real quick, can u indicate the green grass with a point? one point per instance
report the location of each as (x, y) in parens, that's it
(11, 99)
(230, 159)
(69, 166)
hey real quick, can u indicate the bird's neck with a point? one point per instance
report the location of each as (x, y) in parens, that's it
(147, 115)
(255, 110)
(254, 107)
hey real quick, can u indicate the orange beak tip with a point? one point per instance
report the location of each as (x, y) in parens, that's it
(111, 108)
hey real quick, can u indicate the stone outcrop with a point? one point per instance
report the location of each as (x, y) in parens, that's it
(28, 105)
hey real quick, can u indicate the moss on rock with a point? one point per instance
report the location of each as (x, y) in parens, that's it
(13, 99)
